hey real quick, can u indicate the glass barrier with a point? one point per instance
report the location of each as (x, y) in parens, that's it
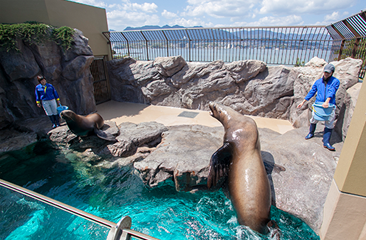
(25, 214)
(23, 217)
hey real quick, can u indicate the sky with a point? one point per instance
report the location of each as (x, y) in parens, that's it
(225, 13)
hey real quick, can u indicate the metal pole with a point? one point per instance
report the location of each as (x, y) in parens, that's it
(189, 47)
(167, 44)
(57, 204)
(147, 46)
(128, 45)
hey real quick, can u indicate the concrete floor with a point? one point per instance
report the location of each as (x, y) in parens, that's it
(170, 116)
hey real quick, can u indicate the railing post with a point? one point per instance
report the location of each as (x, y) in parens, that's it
(355, 33)
(213, 46)
(342, 43)
(167, 44)
(147, 46)
(189, 47)
(128, 45)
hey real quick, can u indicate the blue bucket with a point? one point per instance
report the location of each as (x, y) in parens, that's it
(61, 108)
(320, 113)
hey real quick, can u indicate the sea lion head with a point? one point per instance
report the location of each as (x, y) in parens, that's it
(68, 115)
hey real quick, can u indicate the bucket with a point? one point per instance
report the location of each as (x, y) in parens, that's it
(61, 108)
(320, 113)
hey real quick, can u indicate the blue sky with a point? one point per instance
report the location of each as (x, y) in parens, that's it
(225, 13)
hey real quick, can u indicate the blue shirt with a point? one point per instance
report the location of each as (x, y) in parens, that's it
(46, 92)
(324, 90)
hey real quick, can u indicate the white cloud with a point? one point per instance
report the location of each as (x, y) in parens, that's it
(279, 7)
(145, 7)
(220, 8)
(119, 20)
(291, 20)
(168, 15)
(191, 22)
(332, 17)
(92, 3)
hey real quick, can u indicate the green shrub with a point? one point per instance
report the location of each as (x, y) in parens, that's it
(34, 33)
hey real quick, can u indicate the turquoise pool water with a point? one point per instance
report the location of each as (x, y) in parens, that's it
(113, 193)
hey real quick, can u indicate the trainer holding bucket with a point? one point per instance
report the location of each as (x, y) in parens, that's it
(324, 107)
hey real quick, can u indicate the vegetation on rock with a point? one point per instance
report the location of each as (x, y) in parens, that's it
(34, 33)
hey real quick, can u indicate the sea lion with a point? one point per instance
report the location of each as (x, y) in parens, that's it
(82, 126)
(239, 159)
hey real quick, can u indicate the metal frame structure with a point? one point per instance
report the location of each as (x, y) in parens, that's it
(349, 38)
(273, 45)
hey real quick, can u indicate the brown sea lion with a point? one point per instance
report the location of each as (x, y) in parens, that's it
(240, 160)
(82, 126)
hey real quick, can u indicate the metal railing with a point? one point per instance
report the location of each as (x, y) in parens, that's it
(273, 45)
(349, 38)
(119, 231)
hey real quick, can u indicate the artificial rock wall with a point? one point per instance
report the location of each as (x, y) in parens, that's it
(250, 87)
(68, 71)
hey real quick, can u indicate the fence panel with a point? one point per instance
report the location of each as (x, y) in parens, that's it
(273, 45)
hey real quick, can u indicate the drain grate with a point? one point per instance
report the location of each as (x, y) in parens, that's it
(188, 114)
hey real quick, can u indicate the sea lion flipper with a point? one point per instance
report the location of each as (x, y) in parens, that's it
(219, 165)
(104, 135)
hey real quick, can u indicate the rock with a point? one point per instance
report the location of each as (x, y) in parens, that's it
(129, 138)
(80, 47)
(61, 134)
(18, 65)
(250, 87)
(300, 171)
(75, 69)
(183, 156)
(346, 111)
(347, 71)
(68, 71)
(39, 125)
(132, 136)
(169, 65)
(245, 70)
(316, 62)
(12, 140)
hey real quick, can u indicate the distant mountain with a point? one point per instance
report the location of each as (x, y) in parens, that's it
(155, 27)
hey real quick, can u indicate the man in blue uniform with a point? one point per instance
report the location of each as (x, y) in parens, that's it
(47, 95)
(325, 88)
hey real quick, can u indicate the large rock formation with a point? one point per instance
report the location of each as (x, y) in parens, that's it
(249, 87)
(68, 71)
(300, 171)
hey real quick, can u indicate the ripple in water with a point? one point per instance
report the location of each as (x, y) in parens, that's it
(113, 193)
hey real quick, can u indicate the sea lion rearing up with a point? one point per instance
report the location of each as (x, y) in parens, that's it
(240, 160)
(81, 125)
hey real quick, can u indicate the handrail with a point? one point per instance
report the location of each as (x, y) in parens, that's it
(130, 232)
(57, 204)
(119, 231)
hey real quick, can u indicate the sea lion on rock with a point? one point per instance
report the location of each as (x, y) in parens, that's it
(240, 160)
(82, 126)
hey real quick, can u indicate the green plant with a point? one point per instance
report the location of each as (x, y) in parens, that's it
(34, 33)
(63, 36)
(299, 63)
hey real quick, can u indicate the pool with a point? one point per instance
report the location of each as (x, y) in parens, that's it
(113, 193)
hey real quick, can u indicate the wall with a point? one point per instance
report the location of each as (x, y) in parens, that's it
(90, 20)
